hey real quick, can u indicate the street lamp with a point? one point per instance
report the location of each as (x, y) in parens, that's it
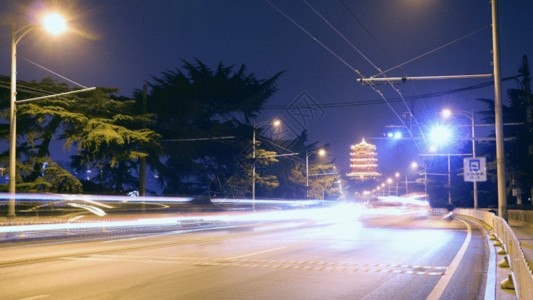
(446, 113)
(55, 24)
(275, 123)
(320, 152)
(414, 166)
(397, 175)
(389, 182)
(440, 135)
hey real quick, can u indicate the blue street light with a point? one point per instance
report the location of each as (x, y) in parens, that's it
(395, 135)
(440, 135)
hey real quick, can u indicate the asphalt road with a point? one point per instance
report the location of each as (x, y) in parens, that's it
(378, 255)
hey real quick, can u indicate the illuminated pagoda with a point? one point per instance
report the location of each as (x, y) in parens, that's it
(363, 161)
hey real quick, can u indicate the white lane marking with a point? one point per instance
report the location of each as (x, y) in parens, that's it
(35, 297)
(438, 290)
(258, 252)
(174, 232)
(259, 263)
(490, 287)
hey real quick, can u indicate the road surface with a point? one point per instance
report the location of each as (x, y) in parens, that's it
(376, 255)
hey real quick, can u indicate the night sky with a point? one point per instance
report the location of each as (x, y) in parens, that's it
(124, 43)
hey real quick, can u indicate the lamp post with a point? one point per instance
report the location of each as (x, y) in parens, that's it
(275, 123)
(321, 152)
(55, 24)
(414, 166)
(397, 175)
(449, 182)
(471, 116)
(389, 182)
(441, 135)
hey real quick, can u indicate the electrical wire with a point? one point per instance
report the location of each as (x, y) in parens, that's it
(28, 90)
(330, 51)
(313, 37)
(432, 51)
(387, 54)
(418, 97)
(377, 68)
(46, 69)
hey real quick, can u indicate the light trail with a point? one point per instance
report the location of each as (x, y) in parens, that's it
(338, 212)
(87, 198)
(95, 199)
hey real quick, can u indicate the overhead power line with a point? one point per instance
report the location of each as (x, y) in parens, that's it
(418, 97)
(46, 69)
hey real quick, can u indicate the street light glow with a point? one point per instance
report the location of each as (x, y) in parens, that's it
(276, 123)
(446, 113)
(54, 23)
(397, 135)
(321, 152)
(440, 135)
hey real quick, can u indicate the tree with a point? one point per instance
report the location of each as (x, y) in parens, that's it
(100, 128)
(204, 117)
(112, 139)
(518, 147)
(35, 133)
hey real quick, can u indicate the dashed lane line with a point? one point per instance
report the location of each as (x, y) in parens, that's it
(273, 264)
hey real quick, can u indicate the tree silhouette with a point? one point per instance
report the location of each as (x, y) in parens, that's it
(204, 117)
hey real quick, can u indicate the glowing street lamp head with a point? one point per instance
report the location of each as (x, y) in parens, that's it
(389, 180)
(440, 135)
(397, 135)
(54, 23)
(446, 113)
(321, 152)
(397, 174)
(414, 165)
(276, 123)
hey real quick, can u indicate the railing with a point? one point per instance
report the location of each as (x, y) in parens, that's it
(521, 276)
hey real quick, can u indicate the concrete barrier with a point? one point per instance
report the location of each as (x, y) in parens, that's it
(521, 276)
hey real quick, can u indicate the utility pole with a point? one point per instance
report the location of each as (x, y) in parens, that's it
(474, 155)
(142, 162)
(498, 112)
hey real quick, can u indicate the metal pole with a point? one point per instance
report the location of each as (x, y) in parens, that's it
(474, 155)
(13, 125)
(142, 163)
(449, 182)
(306, 174)
(425, 182)
(498, 111)
(253, 168)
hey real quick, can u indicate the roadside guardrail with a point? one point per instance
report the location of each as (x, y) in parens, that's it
(521, 276)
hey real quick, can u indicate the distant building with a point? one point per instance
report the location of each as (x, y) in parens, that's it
(363, 161)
